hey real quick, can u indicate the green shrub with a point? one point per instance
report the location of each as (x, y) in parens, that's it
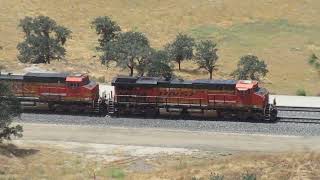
(116, 173)
(216, 177)
(301, 92)
(248, 176)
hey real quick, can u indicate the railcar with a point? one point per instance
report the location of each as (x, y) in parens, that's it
(227, 98)
(60, 91)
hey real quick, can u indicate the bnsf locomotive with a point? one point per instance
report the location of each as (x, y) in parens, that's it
(60, 91)
(228, 98)
(144, 95)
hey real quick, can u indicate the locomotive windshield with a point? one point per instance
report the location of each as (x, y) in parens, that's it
(261, 91)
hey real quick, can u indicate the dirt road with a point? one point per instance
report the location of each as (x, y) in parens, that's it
(210, 141)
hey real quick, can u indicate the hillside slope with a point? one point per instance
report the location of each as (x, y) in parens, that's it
(282, 32)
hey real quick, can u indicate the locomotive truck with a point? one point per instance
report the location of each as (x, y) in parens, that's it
(144, 95)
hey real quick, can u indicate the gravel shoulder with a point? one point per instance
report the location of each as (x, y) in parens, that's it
(159, 137)
(280, 128)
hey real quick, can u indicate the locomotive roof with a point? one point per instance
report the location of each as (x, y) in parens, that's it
(42, 77)
(10, 76)
(154, 81)
(46, 75)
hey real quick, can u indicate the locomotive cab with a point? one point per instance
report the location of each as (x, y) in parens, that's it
(81, 88)
(246, 86)
(77, 81)
(252, 94)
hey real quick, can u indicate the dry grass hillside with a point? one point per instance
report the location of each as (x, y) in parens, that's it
(46, 162)
(282, 32)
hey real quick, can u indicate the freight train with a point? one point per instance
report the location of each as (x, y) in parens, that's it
(241, 99)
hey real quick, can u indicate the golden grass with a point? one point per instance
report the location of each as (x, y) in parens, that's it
(40, 162)
(45, 162)
(264, 166)
(233, 24)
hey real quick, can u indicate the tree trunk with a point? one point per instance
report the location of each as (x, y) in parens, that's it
(131, 71)
(210, 75)
(179, 62)
(46, 59)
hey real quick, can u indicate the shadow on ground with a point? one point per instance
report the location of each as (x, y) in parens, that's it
(11, 150)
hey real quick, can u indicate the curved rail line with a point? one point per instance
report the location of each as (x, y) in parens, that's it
(299, 120)
(298, 109)
(302, 114)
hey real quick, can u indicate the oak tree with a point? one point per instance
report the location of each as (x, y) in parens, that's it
(250, 67)
(206, 56)
(131, 50)
(181, 48)
(44, 40)
(160, 65)
(107, 30)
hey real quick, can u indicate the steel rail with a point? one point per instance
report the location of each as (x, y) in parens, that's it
(298, 109)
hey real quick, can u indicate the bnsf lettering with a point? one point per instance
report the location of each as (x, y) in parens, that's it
(176, 93)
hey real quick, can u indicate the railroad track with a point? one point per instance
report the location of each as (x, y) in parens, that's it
(298, 109)
(299, 114)
(286, 114)
(299, 120)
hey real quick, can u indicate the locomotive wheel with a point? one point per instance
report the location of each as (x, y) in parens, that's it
(151, 113)
(51, 107)
(273, 115)
(242, 116)
(220, 114)
(184, 113)
(74, 109)
(60, 109)
(225, 115)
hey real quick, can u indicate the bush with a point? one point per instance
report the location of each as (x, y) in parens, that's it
(216, 177)
(116, 173)
(248, 176)
(301, 92)
(9, 109)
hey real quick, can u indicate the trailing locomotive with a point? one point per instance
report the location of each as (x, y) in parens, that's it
(60, 91)
(228, 98)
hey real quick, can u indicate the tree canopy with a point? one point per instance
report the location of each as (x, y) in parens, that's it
(44, 40)
(250, 67)
(106, 29)
(130, 50)
(9, 108)
(181, 48)
(160, 65)
(206, 56)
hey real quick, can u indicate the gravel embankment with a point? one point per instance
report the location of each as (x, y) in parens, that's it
(280, 128)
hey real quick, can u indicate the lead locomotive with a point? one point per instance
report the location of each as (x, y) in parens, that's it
(228, 98)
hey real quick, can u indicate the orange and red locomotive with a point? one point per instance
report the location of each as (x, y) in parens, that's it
(61, 91)
(228, 98)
